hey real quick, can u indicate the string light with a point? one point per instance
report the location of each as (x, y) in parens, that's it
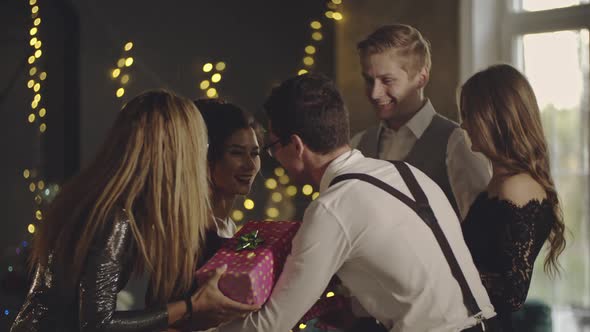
(124, 63)
(279, 171)
(315, 195)
(237, 215)
(209, 85)
(220, 66)
(270, 183)
(207, 67)
(307, 190)
(248, 204)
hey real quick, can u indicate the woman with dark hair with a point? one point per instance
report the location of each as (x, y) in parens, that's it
(233, 158)
(508, 223)
(141, 206)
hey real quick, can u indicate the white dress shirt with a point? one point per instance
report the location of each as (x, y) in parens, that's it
(385, 255)
(468, 172)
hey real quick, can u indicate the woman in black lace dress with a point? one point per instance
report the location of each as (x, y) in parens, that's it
(141, 205)
(508, 224)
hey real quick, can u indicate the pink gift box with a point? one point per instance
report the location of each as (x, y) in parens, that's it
(252, 273)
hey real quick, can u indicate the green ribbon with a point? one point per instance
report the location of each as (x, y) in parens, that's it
(249, 241)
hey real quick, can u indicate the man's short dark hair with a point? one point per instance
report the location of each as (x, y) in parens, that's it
(311, 107)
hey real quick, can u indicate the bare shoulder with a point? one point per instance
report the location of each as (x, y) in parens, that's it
(521, 189)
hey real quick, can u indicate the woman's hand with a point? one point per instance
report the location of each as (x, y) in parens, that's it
(211, 307)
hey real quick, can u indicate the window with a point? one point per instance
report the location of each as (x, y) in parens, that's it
(548, 40)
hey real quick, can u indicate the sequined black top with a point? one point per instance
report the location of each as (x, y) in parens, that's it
(504, 240)
(51, 306)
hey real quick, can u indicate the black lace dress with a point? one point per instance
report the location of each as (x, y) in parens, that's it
(504, 240)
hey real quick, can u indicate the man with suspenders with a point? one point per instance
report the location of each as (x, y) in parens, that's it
(386, 230)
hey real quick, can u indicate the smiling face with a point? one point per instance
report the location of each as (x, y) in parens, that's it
(234, 172)
(395, 93)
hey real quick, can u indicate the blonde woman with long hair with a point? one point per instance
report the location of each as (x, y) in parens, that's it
(141, 206)
(509, 223)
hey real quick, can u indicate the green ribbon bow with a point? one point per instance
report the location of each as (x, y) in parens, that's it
(249, 241)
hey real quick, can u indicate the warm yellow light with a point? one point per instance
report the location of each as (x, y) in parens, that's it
(307, 190)
(120, 92)
(207, 67)
(121, 63)
(42, 112)
(284, 179)
(212, 92)
(129, 62)
(337, 16)
(237, 215)
(330, 14)
(37, 97)
(302, 326)
(26, 173)
(116, 72)
(330, 294)
(316, 25)
(32, 186)
(248, 204)
(38, 199)
(37, 21)
(308, 61)
(31, 118)
(34, 104)
(125, 79)
(310, 49)
(317, 36)
(276, 197)
(36, 87)
(35, 10)
(31, 228)
(291, 191)
(33, 31)
(38, 215)
(30, 84)
(315, 195)
(272, 212)
(216, 78)
(332, 5)
(43, 76)
(204, 84)
(38, 54)
(337, 2)
(128, 46)
(32, 71)
(32, 2)
(32, 59)
(41, 184)
(279, 171)
(270, 183)
(42, 127)
(220, 66)
(302, 71)
(33, 41)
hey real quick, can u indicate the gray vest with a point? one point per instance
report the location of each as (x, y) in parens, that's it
(429, 154)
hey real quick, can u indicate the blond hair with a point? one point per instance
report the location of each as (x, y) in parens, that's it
(500, 105)
(153, 165)
(407, 42)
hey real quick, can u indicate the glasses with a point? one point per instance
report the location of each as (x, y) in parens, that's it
(269, 147)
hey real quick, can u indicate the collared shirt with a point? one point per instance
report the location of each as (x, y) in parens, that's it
(382, 251)
(469, 172)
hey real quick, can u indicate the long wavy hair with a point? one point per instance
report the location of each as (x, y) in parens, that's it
(501, 107)
(154, 166)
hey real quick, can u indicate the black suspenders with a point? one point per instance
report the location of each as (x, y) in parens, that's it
(422, 208)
